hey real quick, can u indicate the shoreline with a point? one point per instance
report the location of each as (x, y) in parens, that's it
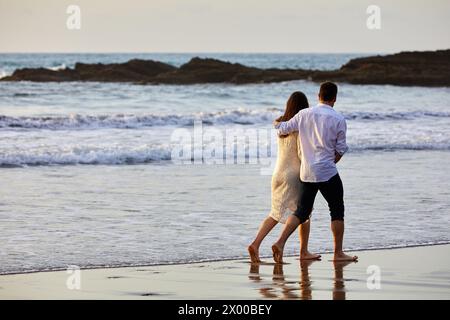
(143, 265)
(420, 272)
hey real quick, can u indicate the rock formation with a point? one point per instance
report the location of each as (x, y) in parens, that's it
(429, 68)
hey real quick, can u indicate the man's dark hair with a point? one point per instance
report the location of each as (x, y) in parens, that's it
(328, 91)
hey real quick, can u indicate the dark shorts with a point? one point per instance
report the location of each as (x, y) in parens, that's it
(333, 192)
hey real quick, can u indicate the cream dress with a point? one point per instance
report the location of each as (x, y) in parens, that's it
(286, 178)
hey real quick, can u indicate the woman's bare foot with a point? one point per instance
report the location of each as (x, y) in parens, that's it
(254, 253)
(277, 253)
(341, 256)
(309, 256)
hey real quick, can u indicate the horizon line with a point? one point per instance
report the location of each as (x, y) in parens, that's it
(220, 52)
(199, 52)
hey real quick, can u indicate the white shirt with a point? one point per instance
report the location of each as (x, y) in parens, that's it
(322, 133)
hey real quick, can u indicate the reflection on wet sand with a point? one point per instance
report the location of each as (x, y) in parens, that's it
(285, 286)
(339, 281)
(305, 281)
(281, 288)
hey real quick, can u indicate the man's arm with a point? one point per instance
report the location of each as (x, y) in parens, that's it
(341, 143)
(286, 127)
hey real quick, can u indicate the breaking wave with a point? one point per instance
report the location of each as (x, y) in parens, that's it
(86, 155)
(131, 121)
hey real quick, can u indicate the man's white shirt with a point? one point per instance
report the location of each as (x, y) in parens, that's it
(322, 134)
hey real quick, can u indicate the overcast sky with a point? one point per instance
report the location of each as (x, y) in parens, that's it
(223, 26)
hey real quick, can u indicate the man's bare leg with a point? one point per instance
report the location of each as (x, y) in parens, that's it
(277, 248)
(304, 237)
(337, 227)
(264, 229)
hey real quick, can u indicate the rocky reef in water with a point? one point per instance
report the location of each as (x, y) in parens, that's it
(428, 68)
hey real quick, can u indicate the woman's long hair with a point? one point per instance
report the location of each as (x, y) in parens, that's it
(296, 102)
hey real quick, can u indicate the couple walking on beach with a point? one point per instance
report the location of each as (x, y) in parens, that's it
(311, 140)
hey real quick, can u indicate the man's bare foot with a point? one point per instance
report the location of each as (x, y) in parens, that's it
(344, 257)
(254, 253)
(309, 256)
(277, 253)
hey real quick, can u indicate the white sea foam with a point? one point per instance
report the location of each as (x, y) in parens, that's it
(129, 121)
(4, 73)
(107, 155)
(58, 67)
(238, 116)
(85, 155)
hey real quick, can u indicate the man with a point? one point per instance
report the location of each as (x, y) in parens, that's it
(322, 140)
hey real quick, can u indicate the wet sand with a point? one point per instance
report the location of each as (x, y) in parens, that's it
(407, 273)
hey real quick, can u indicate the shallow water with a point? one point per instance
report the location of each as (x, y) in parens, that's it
(55, 216)
(88, 176)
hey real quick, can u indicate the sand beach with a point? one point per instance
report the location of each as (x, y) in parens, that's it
(406, 273)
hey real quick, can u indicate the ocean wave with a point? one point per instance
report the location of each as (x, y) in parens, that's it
(132, 121)
(394, 115)
(86, 155)
(401, 146)
(4, 73)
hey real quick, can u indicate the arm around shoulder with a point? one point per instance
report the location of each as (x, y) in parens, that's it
(286, 127)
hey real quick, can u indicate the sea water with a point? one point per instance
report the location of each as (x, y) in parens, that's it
(88, 178)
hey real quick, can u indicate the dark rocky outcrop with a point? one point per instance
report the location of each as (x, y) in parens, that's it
(132, 71)
(429, 68)
(41, 75)
(215, 71)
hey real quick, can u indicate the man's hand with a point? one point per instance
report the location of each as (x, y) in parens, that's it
(337, 157)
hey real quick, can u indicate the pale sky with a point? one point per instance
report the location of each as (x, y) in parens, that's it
(223, 26)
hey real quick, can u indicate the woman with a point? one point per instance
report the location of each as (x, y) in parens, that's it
(285, 184)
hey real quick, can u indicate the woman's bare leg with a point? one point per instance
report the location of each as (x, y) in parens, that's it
(304, 238)
(278, 247)
(264, 229)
